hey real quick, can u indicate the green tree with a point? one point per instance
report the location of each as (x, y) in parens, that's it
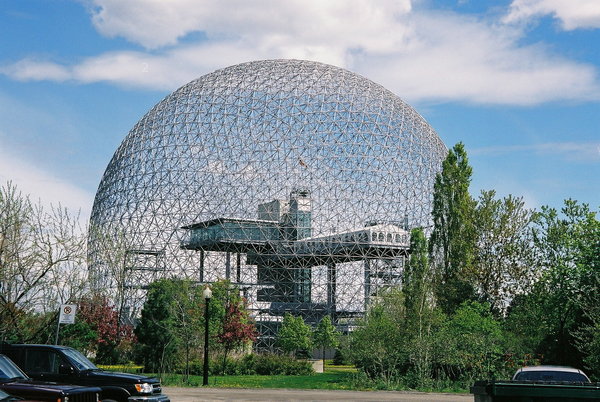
(471, 344)
(588, 342)
(294, 334)
(157, 331)
(452, 240)
(378, 345)
(79, 335)
(502, 264)
(325, 335)
(417, 278)
(422, 319)
(558, 289)
(587, 259)
(554, 319)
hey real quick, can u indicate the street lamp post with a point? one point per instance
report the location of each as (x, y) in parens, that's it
(207, 293)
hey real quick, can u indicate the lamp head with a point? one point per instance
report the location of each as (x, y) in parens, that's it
(207, 293)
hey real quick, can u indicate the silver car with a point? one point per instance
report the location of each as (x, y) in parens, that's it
(550, 373)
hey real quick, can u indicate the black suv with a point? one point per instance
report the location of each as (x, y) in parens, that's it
(66, 365)
(14, 382)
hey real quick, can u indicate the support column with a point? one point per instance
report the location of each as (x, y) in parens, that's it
(228, 266)
(201, 266)
(302, 282)
(331, 284)
(367, 283)
(239, 268)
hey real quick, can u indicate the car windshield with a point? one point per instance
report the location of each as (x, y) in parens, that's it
(79, 360)
(9, 370)
(550, 375)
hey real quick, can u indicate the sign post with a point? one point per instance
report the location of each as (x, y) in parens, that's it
(66, 316)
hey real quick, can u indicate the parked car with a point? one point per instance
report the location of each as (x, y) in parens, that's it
(66, 365)
(550, 373)
(15, 382)
(4, 397)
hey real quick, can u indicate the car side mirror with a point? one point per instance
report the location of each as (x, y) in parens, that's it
(65, 369)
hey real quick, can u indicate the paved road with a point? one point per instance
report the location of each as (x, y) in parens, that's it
(235, 394)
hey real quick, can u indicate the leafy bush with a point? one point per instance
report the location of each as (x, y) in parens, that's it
(459, 349)
(471, 345)
(378, 346)
(271, 364)
(215, 367)
(228, 366)
(261, 364)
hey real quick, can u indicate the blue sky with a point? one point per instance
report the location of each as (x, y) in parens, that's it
(517, 81)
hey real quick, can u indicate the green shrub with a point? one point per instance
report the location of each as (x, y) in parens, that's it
(339, 359)
(215, 367)
(271, 364)
(261, 364)
(229, 367)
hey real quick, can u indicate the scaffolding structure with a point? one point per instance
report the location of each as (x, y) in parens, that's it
(297, 181)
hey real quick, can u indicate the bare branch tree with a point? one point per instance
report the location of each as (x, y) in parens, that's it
(41, 260)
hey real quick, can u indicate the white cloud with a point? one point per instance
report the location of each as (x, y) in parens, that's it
(573, 14)
(32, 69)
(165, 71)
(418, 54)
(573, 151)
(41, 186)
(458, 57)
(156, 23)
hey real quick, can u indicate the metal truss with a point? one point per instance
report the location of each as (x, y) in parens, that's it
(297, 181)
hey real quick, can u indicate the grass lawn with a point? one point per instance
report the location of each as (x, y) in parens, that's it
(334, 377)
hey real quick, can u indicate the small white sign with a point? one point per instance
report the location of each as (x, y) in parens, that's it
(67, 313)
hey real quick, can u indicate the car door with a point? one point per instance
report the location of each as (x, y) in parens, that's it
(43, 364)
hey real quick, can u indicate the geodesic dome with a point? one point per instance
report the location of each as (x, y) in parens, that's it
(296, 180)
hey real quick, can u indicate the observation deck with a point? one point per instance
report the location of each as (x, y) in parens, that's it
(262, 241)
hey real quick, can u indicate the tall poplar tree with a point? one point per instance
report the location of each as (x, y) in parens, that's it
(417, 276)
(452, 241)
(421, 316)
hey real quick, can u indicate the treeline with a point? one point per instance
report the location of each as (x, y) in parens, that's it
(494, 287)
(491, 286)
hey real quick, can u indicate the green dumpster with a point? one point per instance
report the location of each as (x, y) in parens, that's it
(534, 391)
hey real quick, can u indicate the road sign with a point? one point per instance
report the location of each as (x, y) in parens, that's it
(67, 313)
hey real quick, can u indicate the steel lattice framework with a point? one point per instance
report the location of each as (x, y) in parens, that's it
(297, 181)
